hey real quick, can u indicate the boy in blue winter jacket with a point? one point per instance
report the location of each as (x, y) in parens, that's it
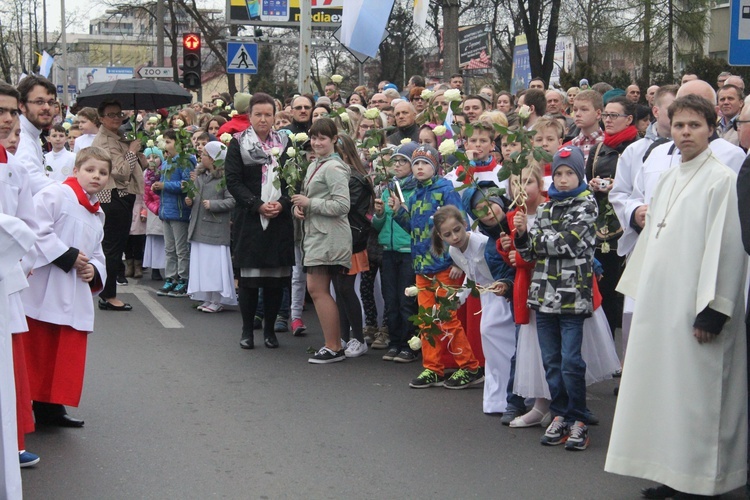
(176, 217)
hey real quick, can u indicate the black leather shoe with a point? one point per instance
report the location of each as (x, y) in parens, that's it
(68, 421)
(662, 491)
(106, 306)
(271, 342)
(247, 341)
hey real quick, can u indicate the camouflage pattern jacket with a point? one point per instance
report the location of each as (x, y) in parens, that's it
(562, 242)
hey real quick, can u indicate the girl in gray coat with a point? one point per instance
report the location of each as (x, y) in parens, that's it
(212, 278)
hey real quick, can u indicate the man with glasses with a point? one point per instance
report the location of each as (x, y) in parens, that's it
(379, 101)
(743, 128)
(37, 98)
(118, 197)
(302, 107)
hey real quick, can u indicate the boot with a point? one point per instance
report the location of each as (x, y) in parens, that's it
(129, 267)
(137, 268)
(156, 275)
(246, 342)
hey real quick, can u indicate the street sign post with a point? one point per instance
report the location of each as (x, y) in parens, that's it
(153, 72)
(739, 33)
(242, 58)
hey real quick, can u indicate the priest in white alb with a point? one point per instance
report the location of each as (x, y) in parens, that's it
(681, 416)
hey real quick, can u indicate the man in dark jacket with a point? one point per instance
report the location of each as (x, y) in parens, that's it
(302, 107)
(406, 124)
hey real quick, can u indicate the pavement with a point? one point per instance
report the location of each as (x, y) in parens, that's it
(175, 409)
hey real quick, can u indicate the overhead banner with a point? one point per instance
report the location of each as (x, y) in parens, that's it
(87, 76)
(474, 47)
(564, 59)
(283, 13)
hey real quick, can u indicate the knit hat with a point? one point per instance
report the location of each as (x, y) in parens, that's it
(427, 154)
(611, 94)
(569, 156)
(390, 86)
(216, 150)
(583, 82)
(242, 102)
(324, 100)
(154, 151)
(405, 150)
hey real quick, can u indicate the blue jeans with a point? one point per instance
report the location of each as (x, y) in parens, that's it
(515, 402)
(396, 274)
(560, 337)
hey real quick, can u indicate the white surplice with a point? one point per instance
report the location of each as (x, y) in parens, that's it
(15, 240)
(681, 416)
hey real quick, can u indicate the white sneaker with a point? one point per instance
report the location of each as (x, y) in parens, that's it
(355, 348)
(204, 305)
(344, 344)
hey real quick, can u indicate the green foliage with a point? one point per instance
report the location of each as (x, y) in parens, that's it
(294, 169)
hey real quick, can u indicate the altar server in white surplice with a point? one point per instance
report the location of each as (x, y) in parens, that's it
(681, 416)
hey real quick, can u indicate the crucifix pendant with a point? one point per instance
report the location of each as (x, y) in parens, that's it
(660, 225)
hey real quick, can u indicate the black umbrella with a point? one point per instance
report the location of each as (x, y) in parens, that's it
(135, 93)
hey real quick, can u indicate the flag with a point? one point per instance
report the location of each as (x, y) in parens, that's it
(363, 25)
(23, 75)
(45, 66)
(420, 12)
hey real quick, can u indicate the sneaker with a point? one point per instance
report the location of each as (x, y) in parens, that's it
(27, 459)
(557, 432)
(427, 378)
(281, 325)
(391, 354)
(167, 287)
(405, 356)
(578, 438)
(381, 340)
(355, 348)
(180, 289)
(298, 328)
(204, 305)
(369, 333)
(461, 378)
(122, 281)
(257, 323)
(325, 356)
(213, 307)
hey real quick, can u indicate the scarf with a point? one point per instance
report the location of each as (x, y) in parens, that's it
(564, 195)
(255, 151)
(476, 167)
(83, 198)
(614, 140)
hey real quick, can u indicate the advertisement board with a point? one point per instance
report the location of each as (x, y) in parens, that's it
(521, 75)
(283, 13)
(474, 47)
(87, 76)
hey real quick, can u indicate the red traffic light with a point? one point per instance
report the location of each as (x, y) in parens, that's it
(191, 41)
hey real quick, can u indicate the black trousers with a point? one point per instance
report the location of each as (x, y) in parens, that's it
(612, 300)
(118, 215)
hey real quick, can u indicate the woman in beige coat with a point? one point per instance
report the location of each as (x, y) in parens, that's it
(327, 243)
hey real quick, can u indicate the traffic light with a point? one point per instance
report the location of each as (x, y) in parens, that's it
(191, 60)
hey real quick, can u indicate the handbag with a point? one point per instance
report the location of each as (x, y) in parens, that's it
(607, 225)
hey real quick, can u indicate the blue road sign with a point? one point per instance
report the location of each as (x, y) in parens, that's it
(242, 58)
(739, 33)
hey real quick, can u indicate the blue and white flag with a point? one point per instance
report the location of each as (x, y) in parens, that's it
(363, 24)
(45, 67)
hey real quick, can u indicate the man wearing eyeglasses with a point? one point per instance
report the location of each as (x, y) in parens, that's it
(37, 98)
(302, 107)
(379, 101)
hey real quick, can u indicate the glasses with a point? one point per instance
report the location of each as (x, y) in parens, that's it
(300, 108)
(13, 112)
(735, 123)
(418, 98)
(42, 102)
(612, 116)
(115, 115)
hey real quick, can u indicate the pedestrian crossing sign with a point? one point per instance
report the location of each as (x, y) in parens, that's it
(242, 58)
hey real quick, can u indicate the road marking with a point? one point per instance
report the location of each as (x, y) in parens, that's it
(144, 294)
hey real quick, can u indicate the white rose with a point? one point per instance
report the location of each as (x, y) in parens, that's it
(301, 137)
(373, 150)
(149, 143)
(440, 130)
(219, 102)
(524, 112)
(452, 95)
(179, 123)
(233, 112)
(344, 117)
(337, 78)
(159, 138)
(405, 140)
(411, 291)
(415, 343)
(153, 119)
(275, 151)
(427, 94)
(161, 145)
(372, 113)
(447, 147)
(66, 125)
(227, 108)
(291, 152)
(225, 138)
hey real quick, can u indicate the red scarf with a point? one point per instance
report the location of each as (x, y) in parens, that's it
(83, 198)
(615, 140)
(489, 166)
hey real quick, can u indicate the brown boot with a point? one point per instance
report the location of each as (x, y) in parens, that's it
(129, 268)
(137, 269)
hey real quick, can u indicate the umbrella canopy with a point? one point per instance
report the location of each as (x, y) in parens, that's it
(135, 93)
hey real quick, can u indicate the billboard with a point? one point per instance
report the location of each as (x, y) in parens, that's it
(474, 47)
(283, 13)
(87, 76)
(521, 75)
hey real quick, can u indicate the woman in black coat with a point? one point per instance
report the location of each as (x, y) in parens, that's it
(263, 234)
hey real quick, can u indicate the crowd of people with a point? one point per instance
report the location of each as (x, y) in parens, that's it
(520, 230)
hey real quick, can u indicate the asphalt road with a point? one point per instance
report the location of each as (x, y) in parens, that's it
(185, 413)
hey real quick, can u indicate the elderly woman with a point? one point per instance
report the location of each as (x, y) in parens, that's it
(117, 198)
(263, 229)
